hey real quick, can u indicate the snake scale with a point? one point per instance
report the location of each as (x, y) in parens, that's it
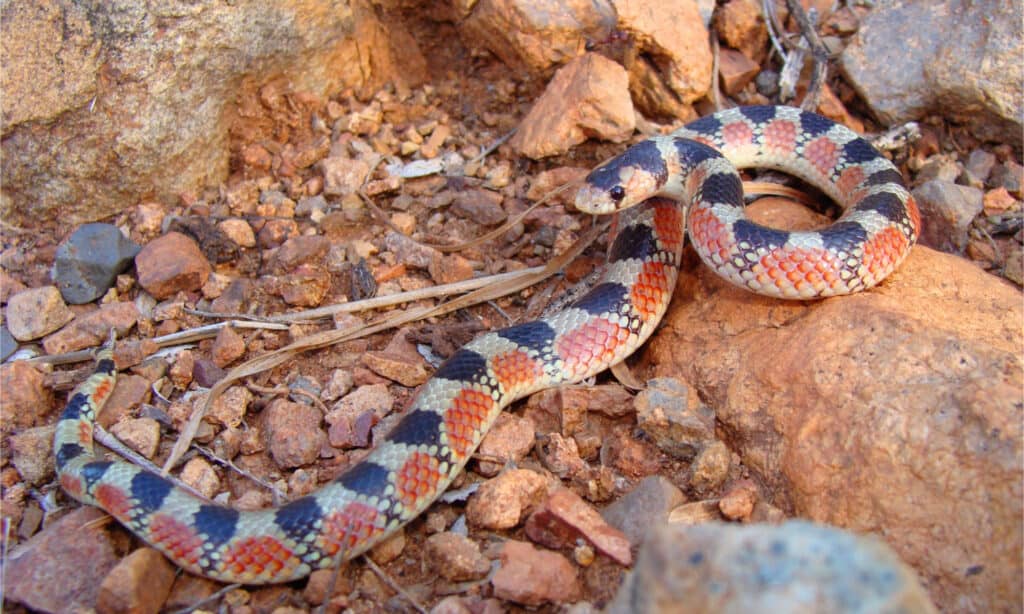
(686, 179)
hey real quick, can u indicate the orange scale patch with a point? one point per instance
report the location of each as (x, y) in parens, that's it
(253, 557)
(695, 179)
(102, 391)
(113, 500)
(883, 249)
(464, 418)
(593, 343)
(349, 528)
(177, 539)
(709, 233)
(823, 154)
(780, 136)
(737, 134)
(668, 225)
(651, 290)
(85, 433)
(417, 479)
(72, 484)
(849, 179)
(516, 369)
(799, 267)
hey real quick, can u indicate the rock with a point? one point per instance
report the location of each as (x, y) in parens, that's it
(93, 328)
(112, 104)
(629, 455)
(564, 517)
(319, 582)
(138, 584)
(292, 432)
(711, 468)
(796, 567)
(736, 70)
(672, 54)
(998, 201)
(32, 454)
(228, 347)
(480, 206)
(139, 434)
(229, 408)
(61, 568)
(306, 286)
(740, 23)
(698, 512)
(533, 577)
(450, 268)
(8, 345)
(939, 166)
(389, 549)
(979, 164)
(373, 398)
(343, 176)
(947, 210)
(502, 502)
(587, 98)
(206, 373)
(87, 262)
(129, 392)
(171, 264)
(189, 590)
(561, 456)
(299, 250)
(201, 476)
(409, 252)
(739, 502)
(535, 36)
(25, 400)
(402, 368)
(671, 414)
(1009, 175)
(842, 424)
(338, 386)
(969, 78)
(239, 231)
(643, 508)
(36, 312)
(508, 441)
(456, 557)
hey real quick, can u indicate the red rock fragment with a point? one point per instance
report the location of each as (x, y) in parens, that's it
(171, 264)
(564, 517)
(533, 577)
(138, 584)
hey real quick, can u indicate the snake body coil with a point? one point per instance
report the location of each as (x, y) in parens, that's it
(690, 175)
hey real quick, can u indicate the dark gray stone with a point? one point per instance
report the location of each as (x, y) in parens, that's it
(947, 210)
(906, 62)
(88, 262)
(7, 343)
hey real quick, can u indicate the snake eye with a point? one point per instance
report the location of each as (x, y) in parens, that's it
(617, 193)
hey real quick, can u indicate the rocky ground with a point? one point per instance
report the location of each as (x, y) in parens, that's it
(894, 413)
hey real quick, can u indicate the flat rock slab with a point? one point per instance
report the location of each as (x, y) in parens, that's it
(895, 411)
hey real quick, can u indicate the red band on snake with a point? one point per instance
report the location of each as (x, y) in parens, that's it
(687, 176)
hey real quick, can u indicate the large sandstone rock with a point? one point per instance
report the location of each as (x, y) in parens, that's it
(905, 64)
(534, 35)
(106, 102)
(895, 411)
(670, 59)
(588, 97)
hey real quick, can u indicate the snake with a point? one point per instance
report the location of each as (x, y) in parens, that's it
(660, 188)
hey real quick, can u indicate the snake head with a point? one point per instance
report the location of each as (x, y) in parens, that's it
(626, 180)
